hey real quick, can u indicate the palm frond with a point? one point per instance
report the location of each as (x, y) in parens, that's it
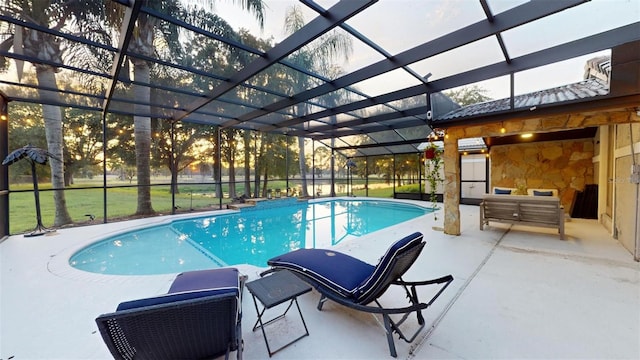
(37, 155)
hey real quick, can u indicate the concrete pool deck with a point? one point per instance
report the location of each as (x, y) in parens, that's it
(519, 292)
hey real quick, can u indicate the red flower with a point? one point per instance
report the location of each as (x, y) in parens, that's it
(430, 153)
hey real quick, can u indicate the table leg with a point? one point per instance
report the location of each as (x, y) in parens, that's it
(261, 325)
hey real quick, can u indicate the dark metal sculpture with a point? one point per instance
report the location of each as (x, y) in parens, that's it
(35, 156)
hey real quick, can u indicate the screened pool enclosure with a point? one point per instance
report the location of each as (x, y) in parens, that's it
(168, 106)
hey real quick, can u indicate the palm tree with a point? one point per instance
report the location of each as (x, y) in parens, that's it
(147, 30)
(228, 148)
(264, 78)
(55, 14)
(246, 140)
(332, 100)
(317, 56)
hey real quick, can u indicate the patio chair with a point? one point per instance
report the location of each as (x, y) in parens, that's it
(198, 318)
(353, 283)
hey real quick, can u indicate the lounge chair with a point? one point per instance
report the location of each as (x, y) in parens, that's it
(354, 283)
(198, 318)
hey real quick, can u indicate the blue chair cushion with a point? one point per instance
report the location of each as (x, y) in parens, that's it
(191, 285)
(542, 193)
(344, 274)
(334, 270)
(502, 191)
(372, 281)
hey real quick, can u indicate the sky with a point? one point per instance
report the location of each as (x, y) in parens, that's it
(399, 25)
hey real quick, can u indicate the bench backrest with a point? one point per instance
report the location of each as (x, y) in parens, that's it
(539, 209)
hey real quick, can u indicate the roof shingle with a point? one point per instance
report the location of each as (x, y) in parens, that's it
(584, 89)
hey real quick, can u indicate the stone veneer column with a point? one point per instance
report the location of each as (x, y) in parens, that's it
(451, 186)
(603, 181)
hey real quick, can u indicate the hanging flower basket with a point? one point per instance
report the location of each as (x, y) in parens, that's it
(430, 153)
(433, 161)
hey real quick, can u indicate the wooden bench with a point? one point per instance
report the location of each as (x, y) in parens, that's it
(543, 211)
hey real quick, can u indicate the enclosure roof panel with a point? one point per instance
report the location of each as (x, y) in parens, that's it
(373, 74)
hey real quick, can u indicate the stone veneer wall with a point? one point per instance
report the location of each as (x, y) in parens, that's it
(529, 122)
(563, 165)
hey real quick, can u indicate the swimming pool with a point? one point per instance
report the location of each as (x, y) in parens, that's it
(251, 236)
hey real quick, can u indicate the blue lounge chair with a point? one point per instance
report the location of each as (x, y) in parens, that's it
(355, 284)
(198, 318)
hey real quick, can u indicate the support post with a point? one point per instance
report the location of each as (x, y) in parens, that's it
(451, 186)
(4, 170)
(333, 173)
(174, 171)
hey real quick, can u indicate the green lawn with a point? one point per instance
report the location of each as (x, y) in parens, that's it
(122, 202)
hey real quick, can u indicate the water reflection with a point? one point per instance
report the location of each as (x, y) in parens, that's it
(249, 237)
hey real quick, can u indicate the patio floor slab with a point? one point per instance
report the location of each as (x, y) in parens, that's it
(519, 292)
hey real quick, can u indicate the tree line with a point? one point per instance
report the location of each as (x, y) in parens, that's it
(73, 137)
(138, 144)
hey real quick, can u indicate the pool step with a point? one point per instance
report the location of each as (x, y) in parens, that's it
(254, 201)
(262, 203)
(247, 203)
(239, 206)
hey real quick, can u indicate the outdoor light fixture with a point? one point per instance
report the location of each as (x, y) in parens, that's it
(502, 129)
(436, 134)
(526, 136)
(3, 112)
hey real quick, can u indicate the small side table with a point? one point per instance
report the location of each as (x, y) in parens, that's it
(273, 290)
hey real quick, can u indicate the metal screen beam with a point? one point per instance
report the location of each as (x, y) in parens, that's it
(489, 15)
(235, 44)
(95, 97)
(420, 110)
(314, 29)
(384, 144)
(357, 105)
(62, 91)
(339, 132)
(509, 19)
(46, 30)
(35, 60)
(120, 49)
(126, 32)
(365, 40)
(200, 31)
(584, 46)
(214, 77)
(590, 44)
(232, 43)
(84, 107)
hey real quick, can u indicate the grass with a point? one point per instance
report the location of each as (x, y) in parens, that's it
(412, 188)
(122, 201)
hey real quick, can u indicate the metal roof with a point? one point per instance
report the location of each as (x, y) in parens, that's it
(585, 89)
(383, 99)
(597, 74)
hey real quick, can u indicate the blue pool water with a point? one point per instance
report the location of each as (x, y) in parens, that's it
(251, 236)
